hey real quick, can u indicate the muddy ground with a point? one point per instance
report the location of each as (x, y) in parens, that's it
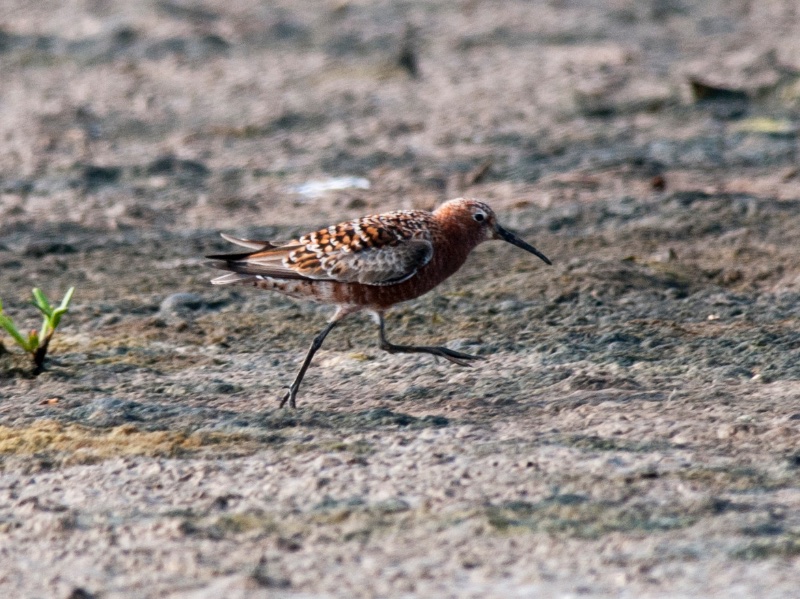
(634, 430)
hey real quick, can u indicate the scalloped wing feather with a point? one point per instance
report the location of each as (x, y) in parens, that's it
(376, 250)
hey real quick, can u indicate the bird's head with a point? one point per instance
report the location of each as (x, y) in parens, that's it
(479, 220)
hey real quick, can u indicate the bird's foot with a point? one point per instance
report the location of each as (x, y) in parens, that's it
(456, 357)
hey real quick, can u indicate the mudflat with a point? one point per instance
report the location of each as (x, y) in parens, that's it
(635, 428)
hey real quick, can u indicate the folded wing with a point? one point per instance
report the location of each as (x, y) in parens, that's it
(378, 250)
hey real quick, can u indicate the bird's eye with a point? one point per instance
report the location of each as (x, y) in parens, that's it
(479, 216)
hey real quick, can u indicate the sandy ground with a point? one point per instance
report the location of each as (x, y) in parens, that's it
(634, 429)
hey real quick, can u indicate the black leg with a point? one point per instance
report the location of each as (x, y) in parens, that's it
(455, 357)
(315, 345)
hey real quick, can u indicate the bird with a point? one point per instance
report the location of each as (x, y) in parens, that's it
(371, 263)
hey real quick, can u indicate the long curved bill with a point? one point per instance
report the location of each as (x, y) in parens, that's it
(508, 236)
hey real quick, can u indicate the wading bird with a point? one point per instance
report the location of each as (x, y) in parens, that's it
(371, 263)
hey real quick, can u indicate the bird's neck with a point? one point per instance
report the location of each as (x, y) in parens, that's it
(454, 243)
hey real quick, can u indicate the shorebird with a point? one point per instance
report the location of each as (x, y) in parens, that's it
(371, 263)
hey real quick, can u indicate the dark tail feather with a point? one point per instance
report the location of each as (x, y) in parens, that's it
(229, 257)
(244, 267)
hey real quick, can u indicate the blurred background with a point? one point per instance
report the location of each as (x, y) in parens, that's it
(208, 114)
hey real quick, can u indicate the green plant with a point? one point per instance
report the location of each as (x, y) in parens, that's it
(37, 342)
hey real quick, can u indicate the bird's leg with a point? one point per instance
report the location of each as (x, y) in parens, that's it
(449, 354)
(315, 345)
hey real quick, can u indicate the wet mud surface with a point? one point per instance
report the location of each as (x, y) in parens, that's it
(634, 429)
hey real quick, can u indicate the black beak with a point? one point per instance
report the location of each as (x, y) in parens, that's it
(508, 236)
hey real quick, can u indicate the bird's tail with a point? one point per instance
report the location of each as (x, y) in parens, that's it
(265, 260)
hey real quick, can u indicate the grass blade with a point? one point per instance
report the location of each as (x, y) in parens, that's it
(11, 329)
(46, 330)
(40, 301)
(67, 298)
(58, 312)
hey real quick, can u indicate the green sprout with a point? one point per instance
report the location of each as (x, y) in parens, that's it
(36, 342)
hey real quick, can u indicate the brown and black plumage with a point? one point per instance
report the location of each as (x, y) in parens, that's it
(370, 263)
